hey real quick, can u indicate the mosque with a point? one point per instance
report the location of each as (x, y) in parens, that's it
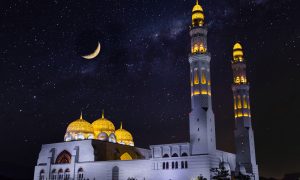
(97, 151)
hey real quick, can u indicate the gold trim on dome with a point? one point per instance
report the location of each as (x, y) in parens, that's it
(103, 125)
(80, 126)
(124, 136)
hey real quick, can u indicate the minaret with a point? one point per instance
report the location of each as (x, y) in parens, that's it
(202, 122)
(244, 138)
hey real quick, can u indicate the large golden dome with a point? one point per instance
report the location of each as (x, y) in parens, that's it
(103, 125)
(80, 126)
(197, 15)
(124, 137)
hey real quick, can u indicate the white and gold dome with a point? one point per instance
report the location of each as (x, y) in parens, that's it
(79, 129)
(124, 137)
(238, 52)
(103, 125)
(197, 15)
(101, 129)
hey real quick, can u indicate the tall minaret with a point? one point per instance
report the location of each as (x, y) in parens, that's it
(244, 138)
(202, 122)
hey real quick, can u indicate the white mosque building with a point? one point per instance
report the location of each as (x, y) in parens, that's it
(99, 152)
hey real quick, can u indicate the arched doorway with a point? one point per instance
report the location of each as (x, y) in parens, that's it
(63, 158)
(115, 173)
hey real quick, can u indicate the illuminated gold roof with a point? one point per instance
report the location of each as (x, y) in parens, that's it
(197, 7)
(123, 136)
(80, 126)
(103, 125)
(197, 15)
(237, 46)
(238, 52)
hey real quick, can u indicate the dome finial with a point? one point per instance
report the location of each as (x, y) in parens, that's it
(197, 2)
(102, 113)
(81, 115)
(121, 126)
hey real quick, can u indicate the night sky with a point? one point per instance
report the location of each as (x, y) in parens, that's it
(141, 76)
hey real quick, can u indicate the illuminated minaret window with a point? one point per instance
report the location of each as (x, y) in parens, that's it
(202, 123)
(244, 138)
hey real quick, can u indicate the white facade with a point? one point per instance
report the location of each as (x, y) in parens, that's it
(154, 167)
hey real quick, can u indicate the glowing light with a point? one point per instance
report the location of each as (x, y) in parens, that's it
(196, 92)
(126, 157)
(234, 99)
(203, 77)
(239, 102)
(238, 52)
(204, 91)
(245, 104)
(197, 15)
(196, 76)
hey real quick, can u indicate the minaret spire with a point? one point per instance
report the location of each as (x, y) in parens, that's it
(102, 113)
(244, 137)
(81, 115)
(202, 123)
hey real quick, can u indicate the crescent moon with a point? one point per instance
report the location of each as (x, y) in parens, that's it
(94, 54)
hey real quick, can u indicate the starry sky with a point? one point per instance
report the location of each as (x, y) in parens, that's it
(141, 76)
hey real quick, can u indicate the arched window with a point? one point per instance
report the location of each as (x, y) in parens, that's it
(234, 102)
(173, 165)
(185, 164)
(202, 48)
(237, 80)
(245, 103)
(167, 165)
(203, 77)
(176, 165)
(53, 174)
(184, 154)
(115, 173)
(165, 155)
(80, 174)
(60, 174)
(182, 164)
(239, 102)
(67, 174)
(42, 175)
(63, 158)
(196, 76)
(125, 157)
(175, 155)
(248, 103)
(196, 48)
(164, 165)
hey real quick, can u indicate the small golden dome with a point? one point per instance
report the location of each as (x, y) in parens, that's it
(124, 137)
(197, 7)
(103, 125)
(238, 52)
(237, 46)
(197, 15)
(80, 126)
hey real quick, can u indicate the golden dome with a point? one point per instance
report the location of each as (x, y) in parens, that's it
(124, 137)
(197, 7)
(80, 126)
(103, 125)
(238, 52)
(197, 15)
(237, 46)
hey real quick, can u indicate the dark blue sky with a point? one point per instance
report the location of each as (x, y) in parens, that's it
(141, 76)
